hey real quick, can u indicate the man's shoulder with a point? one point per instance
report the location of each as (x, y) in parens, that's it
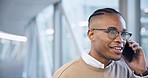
(68, 66)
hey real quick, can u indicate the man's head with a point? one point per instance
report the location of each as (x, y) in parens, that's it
(101, 12)
(107, 32)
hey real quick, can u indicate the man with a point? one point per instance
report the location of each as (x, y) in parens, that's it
(108, 35)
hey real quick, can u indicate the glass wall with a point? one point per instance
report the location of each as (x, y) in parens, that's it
(70, 47)
(45, 34)
(46, 31)
(39, 60)
(144, 26)
(11, 50)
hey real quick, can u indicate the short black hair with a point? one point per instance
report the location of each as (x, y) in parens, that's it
(103, 11)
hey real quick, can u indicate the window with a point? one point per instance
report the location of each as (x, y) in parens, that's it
(144, 26)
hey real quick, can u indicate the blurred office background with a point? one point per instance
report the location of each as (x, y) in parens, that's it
(38, 36)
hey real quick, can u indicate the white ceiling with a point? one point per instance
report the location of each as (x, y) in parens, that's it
(15, 14)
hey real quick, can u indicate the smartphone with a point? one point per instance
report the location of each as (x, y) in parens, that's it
(128, 52)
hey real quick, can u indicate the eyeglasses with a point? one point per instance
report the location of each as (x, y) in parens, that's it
(113, 33)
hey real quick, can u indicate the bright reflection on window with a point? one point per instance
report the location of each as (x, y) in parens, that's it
(143, 30)
(146, 10)
(49, 31)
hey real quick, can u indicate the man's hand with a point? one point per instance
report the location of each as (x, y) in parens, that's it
(138, 64)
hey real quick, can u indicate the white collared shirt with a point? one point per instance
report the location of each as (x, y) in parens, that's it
(93, 62)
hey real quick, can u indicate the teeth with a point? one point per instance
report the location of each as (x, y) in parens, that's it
(118, 48)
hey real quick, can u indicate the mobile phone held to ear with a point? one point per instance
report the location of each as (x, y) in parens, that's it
(128, 52)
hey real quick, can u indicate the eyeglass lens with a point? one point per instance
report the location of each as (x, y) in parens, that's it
(113, 33)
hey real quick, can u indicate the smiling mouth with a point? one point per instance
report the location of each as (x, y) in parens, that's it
(116, 48)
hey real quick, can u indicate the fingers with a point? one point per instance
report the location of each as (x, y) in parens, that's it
(135, 46)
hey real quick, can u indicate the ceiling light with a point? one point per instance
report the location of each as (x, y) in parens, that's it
(13, 37)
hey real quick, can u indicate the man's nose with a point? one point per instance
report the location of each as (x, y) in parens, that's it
(119, 39)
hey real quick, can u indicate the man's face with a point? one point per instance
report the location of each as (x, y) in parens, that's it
(103, 46)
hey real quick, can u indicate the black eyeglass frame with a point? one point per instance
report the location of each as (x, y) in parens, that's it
(116, 35)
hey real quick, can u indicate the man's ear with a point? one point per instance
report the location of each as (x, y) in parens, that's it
(90, 34)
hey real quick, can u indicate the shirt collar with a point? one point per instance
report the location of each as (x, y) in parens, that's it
(93, 62)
